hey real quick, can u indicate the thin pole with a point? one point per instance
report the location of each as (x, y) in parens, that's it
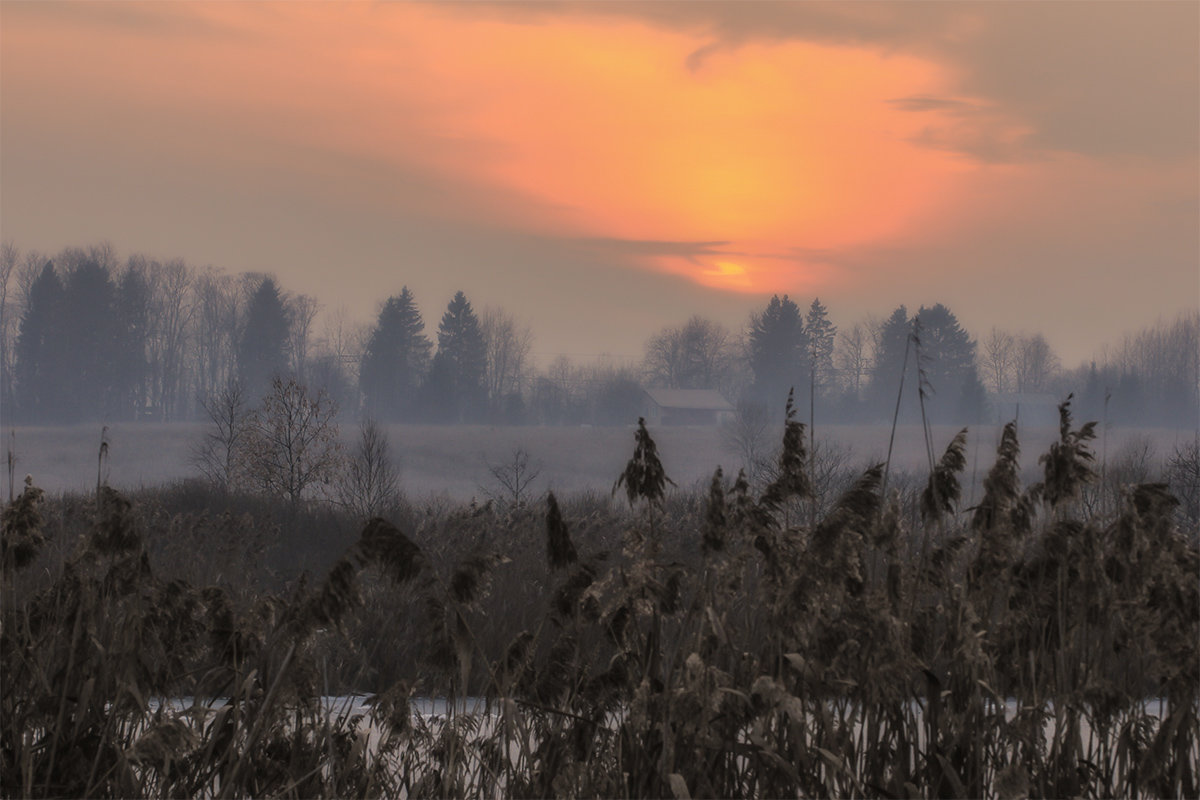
(895, 418)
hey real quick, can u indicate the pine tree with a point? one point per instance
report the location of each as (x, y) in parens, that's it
(262, 350)
(821, 333)
(779, 351)
(457, 374)
(948, 359)
(395, 360)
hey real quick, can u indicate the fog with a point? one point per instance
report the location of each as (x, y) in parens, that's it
(191, 371)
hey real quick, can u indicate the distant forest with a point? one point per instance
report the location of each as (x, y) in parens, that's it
(86, 336)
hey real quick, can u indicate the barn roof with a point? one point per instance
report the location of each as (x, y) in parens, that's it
(696, 399)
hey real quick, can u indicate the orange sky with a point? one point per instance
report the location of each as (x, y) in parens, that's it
(852, 153)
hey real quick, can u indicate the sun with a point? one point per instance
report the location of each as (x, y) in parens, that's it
(725, 275)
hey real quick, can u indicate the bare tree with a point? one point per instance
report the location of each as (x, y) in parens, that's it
(1035, 363)
(854, 357)
(1183, 474)
(169, 323)
(18, 287)
(104, 254)
(830, 474)
(507, 345)
(748, 434)
(302, 310)
(9, 256)
(1166, 359)
(695, 355)
(370, 483)
(214, 332)
(294, 444)
(27, 273)
(342, 337)
(554, 397)
(222, 452)
(873, 327)
(997, 360)
(513, 479)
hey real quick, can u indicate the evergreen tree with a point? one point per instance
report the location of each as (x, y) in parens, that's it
(456, 390)
(779, 351)
(262, 351)
(821, 333)
(38, 366)
(950, 348)
(947, 358)
(395, 360)
(888, 368)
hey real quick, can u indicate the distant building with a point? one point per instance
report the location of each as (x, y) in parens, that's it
(1032, 409)
(686, 407)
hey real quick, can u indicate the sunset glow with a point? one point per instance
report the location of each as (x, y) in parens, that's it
(579, 128)
(746, 149)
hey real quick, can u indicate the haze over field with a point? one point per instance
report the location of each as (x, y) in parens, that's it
(603, 170)
(736, 399)
(435, 461)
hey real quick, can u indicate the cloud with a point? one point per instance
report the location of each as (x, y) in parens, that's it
(1099, 79)
(922, 103)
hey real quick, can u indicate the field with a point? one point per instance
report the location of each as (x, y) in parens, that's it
(454, 460)
(717, 639)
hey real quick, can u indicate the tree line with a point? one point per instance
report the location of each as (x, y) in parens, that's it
(85, 335)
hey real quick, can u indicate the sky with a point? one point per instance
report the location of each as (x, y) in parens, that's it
(603, 170)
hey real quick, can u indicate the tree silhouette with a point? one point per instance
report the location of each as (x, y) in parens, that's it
(778, 351)
(694, 355)
(454, 390)
(948, 360)
(950, 349)
(293, 442)
(395, 360)
(130, 367)
(90, 330)
(891, 362)
(821, 333)
(38, 360)
(262, 350)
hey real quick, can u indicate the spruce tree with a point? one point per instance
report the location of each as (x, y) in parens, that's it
(948, 359)
(456, 381)
(779, 351)
(262, 349)
(395, 360)
(821, 333)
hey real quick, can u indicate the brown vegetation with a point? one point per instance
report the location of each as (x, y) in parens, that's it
(722, 643)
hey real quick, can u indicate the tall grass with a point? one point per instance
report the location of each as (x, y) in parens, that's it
(718, 643)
